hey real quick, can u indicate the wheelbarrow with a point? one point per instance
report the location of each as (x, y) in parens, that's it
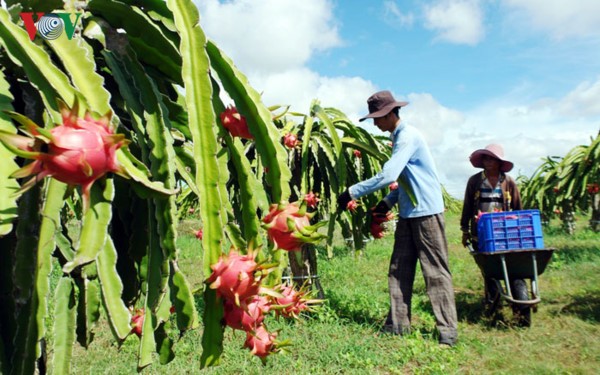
(512, 267)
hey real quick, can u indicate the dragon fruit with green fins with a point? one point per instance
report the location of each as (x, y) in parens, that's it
(236, 276)
(248, 316)
(261, 342)
(288, 226)
(77, 152)
(290, 302)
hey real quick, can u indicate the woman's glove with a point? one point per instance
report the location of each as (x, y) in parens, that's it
(466, 238)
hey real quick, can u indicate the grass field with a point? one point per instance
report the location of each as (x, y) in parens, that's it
(341, 338)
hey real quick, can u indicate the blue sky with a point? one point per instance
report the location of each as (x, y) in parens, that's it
(522, 73)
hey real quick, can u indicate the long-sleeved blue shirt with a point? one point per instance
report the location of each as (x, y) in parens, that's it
(412, 162)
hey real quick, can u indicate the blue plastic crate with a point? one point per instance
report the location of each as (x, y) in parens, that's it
(514, 230)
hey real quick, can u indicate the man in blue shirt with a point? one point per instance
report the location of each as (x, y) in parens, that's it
(420, 232)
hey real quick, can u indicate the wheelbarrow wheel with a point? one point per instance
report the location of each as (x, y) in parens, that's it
(492, 298)
(522, 312)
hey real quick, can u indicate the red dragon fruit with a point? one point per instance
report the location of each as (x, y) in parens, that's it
(235, 123)
(288, 226)
(393, 185)
(79, 151)
(236, 277)
(249, 315)
(382, 218)
(260, 342)
(352, 205)
(137, 322)
(292, 302)
(593, 188)
(377, 230)
(357, 154)
(311, 200)
(199, 234)
(290, 140)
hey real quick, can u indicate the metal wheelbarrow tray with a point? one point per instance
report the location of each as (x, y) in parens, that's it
(511, 265)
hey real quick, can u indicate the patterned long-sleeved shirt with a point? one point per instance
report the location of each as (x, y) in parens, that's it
(411, 161)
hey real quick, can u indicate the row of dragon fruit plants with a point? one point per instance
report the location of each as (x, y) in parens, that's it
(561, 186)
(102, 129)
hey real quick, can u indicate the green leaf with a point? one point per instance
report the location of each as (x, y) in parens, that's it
(146, 37)
(259, 119)
(36, 63)
(112, 289)
(183, 300)
(198, 88)
(64, 326)
(31, 327)
(88, 309)
(363, 147)
(77, 58)
(140, 175)
(94, 229)
(164, 345)
(8, 202)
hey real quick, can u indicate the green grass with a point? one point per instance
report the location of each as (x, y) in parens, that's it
(341, 338)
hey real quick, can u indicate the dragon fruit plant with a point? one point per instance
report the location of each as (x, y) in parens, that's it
(77, 152)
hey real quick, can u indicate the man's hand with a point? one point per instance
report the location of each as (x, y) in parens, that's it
(343, 200)
(466, 239)
(381, 208)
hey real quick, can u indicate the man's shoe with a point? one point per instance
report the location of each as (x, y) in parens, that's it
(447, 342)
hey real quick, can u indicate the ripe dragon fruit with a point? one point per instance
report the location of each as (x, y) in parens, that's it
(288, 226)
(393, 185)
(593, 188)
(260, 342)
(291, 301)
(199, 234)
(290, 140)
(357, 154)
(248, 316)
(236, 277)
(79, 151)
(351, 206)
(235, 123)
(137, 322)
(377, 228)
(311, 200)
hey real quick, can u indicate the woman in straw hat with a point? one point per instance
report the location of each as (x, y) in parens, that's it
(491, 190)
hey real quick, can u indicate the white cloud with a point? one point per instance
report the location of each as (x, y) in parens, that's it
(583, 101)
(430, 117)
(272, 41)
(456, 21)
(298, 88)
(528, 132)
(393, 16)
(561, 18)
(270, 35)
